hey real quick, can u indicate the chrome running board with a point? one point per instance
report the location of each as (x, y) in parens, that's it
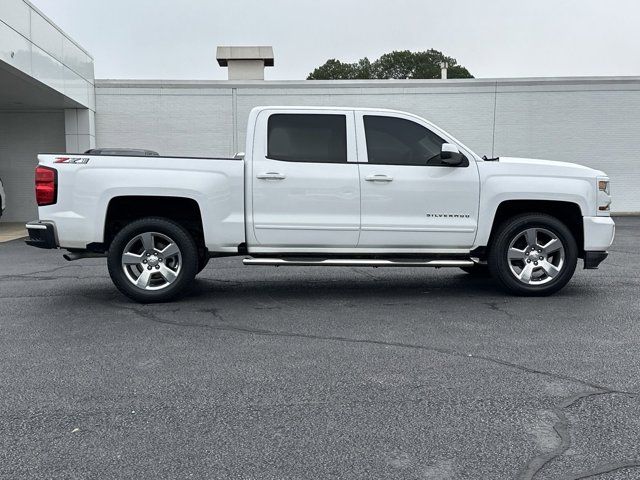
(355, 262)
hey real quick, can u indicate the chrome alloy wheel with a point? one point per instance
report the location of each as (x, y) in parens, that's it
(536, 256)
(151, 261)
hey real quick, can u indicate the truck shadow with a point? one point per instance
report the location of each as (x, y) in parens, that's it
(339, 289)
(302, 289)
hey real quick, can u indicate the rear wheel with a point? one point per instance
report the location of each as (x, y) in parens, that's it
(152, 260)
(533, 254)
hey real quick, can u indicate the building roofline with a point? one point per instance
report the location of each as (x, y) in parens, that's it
(133, 83)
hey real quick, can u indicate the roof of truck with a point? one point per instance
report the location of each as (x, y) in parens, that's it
(306, 107)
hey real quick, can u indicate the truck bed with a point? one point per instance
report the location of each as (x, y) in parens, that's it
(88, 184)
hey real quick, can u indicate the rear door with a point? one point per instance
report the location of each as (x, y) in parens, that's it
(305, 182)
(410, 199)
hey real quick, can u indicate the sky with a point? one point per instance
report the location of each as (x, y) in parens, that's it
(177, 39)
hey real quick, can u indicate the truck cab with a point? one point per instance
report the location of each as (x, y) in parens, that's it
(337, 180)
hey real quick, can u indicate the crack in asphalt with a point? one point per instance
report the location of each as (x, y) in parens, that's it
(561, 427)
(494, 306)
(37, 279)
(37, 275)
(148, 315)
(51, 270)
(604, 469)
(533, 467)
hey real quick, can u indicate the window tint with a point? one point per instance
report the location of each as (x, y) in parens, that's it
(396, 141)
(307, 138)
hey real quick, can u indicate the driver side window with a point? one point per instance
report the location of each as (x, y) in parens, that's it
(396, 141)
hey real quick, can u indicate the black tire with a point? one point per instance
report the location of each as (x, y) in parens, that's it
(167, 229)
(510, 231)
(478, 271)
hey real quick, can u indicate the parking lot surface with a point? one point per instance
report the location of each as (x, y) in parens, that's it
(264, 372)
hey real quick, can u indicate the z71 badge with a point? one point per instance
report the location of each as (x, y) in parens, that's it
(71, 160)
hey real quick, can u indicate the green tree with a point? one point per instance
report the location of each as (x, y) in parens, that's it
(398, 64)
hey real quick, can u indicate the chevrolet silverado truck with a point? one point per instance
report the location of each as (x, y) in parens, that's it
(326, 187)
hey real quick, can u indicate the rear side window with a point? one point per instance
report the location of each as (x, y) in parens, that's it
(396, 141)
(307, 138)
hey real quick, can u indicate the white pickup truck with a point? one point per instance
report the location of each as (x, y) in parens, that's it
(326, 187)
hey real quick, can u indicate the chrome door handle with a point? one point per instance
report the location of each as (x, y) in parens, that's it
(271, 176)
(378, 178)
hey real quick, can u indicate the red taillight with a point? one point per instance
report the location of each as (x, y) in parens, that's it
(46, 186)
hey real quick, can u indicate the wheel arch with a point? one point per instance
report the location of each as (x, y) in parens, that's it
(568, 213)
(124, 209)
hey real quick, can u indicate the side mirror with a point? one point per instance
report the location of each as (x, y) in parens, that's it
(450, 154)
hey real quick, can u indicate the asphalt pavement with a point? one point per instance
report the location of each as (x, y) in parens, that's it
(305, 373)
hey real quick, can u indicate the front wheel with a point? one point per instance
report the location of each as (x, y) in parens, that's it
(533, 254)
(152, 260)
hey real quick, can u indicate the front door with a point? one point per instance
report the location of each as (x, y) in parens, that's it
(410, 199)
(305, 183)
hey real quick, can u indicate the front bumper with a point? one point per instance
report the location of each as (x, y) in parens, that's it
(598, 237)
(598, 233)
(42, 235)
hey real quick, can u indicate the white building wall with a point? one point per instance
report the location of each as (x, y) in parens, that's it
(593, 121)
(80, 129)
(173, 121)
(22, 136)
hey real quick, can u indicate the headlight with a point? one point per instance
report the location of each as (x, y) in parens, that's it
(603, 186)
(604, 196)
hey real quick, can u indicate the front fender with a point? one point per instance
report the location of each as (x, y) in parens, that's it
(499, 189)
